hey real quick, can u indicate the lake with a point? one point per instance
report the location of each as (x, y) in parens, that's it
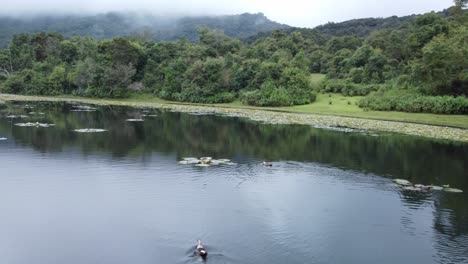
(121, 196)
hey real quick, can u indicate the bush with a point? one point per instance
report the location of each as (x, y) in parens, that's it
(348, 88)
(271, 95)
(414, 103)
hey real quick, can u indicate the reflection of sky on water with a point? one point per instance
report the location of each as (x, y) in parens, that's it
(121, 197)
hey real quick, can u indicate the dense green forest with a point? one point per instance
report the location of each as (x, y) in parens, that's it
(418, 66)
(161, 28)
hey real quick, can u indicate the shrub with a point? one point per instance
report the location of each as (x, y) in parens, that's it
(271, 95)
(348, 88)
(414, 103)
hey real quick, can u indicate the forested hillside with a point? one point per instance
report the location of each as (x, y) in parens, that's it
(105, 26)
(420, 66)
(363, 27)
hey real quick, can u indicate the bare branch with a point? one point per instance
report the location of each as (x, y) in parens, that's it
(4, 72)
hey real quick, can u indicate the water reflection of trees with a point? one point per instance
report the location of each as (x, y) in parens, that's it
(419, 160)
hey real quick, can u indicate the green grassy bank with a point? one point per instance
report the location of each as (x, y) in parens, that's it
(320, 114)
(340, 106)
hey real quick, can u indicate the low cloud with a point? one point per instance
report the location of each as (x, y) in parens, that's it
(306, 13)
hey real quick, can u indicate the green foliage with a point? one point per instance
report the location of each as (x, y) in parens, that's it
(424, 55)
(443, 67)
(206, 82)
(414, 103)
(57, 80)
(363, 27)
(139, 27)
(271, 95)
(348, 88)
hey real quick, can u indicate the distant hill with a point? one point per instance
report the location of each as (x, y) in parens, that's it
(110, 25)
(363, 27)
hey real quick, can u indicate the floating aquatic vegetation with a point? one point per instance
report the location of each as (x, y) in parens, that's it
(205, 162)
(149, 115)
(36, 113)
(82, 110)
(411, 188)
(403, 182)
(84, 107)
(200, 113)
(134, 120)
(345, 129)
(189, 161)
(202, 165)
(90, 130)
(17, 116)
(407, 186)
(3, 138)
(37, 124)
(272, 117)
(452, 190)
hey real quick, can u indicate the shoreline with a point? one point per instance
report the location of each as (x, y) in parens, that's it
(276, 117)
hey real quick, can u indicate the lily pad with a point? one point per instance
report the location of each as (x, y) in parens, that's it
(84, 107)
(17, 116)
(83, 110)
(90, 130)
(436, 188)
(191, 160)
(202, 165)
(411, 188)
(403, 182)
(37, 124)
(3, 138)
(453, 190)
(135, 120)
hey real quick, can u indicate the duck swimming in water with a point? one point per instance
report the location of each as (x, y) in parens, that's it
(201, 251)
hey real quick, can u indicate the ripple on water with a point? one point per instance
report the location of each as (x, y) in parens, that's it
(123, 197)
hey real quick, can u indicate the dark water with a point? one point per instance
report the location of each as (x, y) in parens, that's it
(121, 197)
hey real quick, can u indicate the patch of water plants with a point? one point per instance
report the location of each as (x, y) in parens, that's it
(408, 186)
(90, 130)
(205, 162)
(36, 124)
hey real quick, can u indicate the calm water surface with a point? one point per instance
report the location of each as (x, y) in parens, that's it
(121, 197)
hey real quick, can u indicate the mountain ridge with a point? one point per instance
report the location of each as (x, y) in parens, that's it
(113, 24)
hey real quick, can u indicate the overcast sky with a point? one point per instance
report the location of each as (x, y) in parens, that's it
(302, 13)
